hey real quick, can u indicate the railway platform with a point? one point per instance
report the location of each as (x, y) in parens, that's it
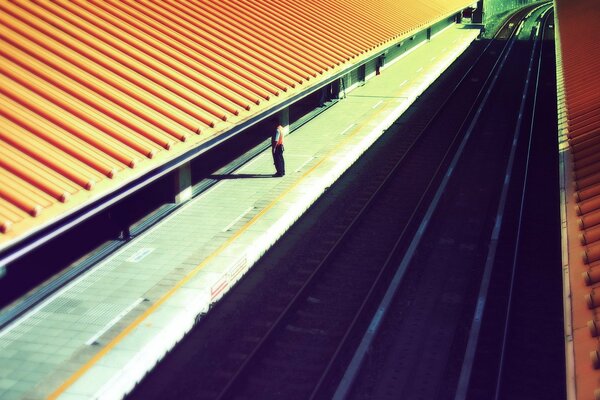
(100, 334)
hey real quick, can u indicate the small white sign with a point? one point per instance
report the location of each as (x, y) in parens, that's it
(140, 254)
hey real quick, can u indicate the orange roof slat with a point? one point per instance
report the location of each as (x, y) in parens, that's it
(15, 116)
(257, 57)
(86, 59)
(35, 173)
(237, 67)
(235, 23)
(107, 120)
(66, 27)
(82, 121)
(590, 236)
(316, 22)
(578, 60)
(10, 212)
(116, 146)
(315, 46)
(100, 97)
(587, 193)
(586, 181)
(589, 205)
(303, 65)
(315, 25)
(155, 49)
(51, 157)
(284, 22)
(592, 159)
(173, 49)
(249, 61)
(286, 65)
(376, 30)
(22, 194)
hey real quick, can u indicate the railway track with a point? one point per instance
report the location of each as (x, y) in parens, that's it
(524, 268)
(461, 266)
(299, 343)
(538, 269)
(300, 355)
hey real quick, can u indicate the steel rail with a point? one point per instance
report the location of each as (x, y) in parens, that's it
(351, 373)
(467, 367)
(372, 330)
(241, 370)
(540, 38)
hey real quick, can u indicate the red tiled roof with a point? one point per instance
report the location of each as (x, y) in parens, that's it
(96, 93)
(578, 63)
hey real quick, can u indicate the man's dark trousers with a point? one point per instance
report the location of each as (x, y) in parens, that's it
(278, 160)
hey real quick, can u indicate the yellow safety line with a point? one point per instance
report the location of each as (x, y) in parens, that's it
(110, 345)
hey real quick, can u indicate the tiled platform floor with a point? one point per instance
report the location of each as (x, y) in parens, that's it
(100, 334)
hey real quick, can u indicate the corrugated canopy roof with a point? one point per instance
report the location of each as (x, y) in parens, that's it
(95, 93)
(578, 63)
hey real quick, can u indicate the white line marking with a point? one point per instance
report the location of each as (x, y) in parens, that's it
(249, 163)
(237, 219)
(433, 58)
(420, 69)
(113, 321)
(305, 162)
(403, 83)
(378, 103)
(347, 129)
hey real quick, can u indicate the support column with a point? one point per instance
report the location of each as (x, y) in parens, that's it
(336, 89)
(479, 15)
(183, 183)
(362, 73)
(342, 86)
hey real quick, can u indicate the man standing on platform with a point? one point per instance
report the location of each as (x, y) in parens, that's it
(277, 149)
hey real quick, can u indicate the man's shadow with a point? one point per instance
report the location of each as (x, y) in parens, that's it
(240, 176)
